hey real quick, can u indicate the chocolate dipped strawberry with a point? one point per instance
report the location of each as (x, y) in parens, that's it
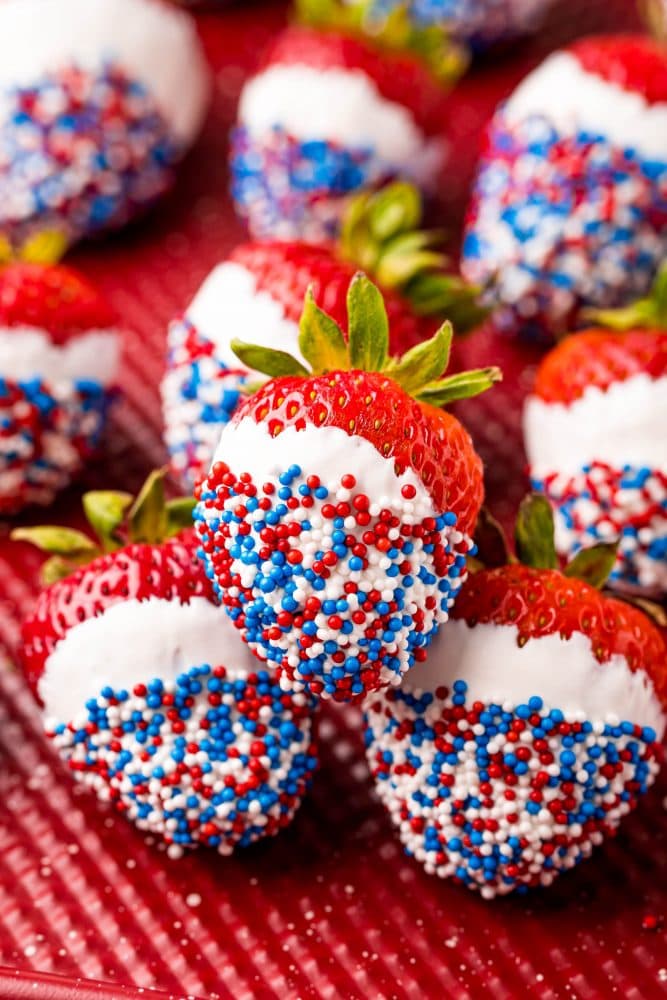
(147, 692)
(569, 204)
(59, 353)
(532, 728)
(594, 434)
(257, 293)
(334, 110)
(338, 513)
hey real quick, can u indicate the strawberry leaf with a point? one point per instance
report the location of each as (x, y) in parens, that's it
(56, 568)
(105, 511)
(148, 516)
(321, 340)
(44, 247)
(394, 209)
(438, 294)
(57, 541)
(423, 363)
(651, 609)
(179, 514)
(465, 385)
(492, 547)
(368, 326)
(267, 360)
(594, 565)
(535, 533)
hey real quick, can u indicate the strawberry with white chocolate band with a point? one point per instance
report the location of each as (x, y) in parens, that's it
(257, 293)
(569, 204)
(148, 694)
(99, 103)
(333, 111)
(533, 726)
(59, 353)
(594, 433)
(337, 516)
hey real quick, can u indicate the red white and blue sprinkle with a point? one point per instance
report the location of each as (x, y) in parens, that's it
(199, 395)
(47, 433)
(80, 152)
(601, 503)
(501, 797)
(557, 222)
(341, 595)
(478, 22)
(288, 188)
(208, 759)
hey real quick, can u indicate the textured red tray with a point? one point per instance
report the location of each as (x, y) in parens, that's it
(331, 908)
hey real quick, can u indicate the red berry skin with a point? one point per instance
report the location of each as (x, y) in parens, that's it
(170, 571)
(401, 78)
(599, 358)
(52, 298)
(427, 440)
(286, 270)
(543, 602)
(633, 62)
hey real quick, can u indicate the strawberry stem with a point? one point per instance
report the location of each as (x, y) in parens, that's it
(323, 345)
(649, 312)
(117, 519)
(395, 31)
(379, 233)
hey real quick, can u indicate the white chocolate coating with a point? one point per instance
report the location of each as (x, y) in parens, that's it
(228, 305)
(338, 105)
(133, 642)
(563, 672)
(155, 43)
(26, 352)
(574, 100)
(618, 427)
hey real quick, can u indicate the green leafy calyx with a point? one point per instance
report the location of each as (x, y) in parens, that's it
(380, 234)
(393, 31)
(647, 313)
(324, 347)
(535, 546)
(116, 519)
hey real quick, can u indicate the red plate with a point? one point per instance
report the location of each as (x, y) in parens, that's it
(331, 908)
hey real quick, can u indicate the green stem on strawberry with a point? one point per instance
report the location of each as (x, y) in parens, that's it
(535, 547)
(380, 234)
(648, 313)
(44, 247)
(419, 371)
(116, 520)
(394, 31)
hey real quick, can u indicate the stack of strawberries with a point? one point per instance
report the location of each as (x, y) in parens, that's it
(337, 545)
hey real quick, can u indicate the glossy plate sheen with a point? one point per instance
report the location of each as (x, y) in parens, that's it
(90, 908)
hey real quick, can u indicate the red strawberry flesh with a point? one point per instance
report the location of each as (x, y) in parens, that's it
(53, 298)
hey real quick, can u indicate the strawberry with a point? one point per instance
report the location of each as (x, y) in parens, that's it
(147, 692)
(569, 204)
(592, 437)
(260, 287)
(477, 23)
(337, 515)
(94, 116)
(58, 357)
(333, 111)
(532, 727)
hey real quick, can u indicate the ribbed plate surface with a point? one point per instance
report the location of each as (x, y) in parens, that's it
(331, 908)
